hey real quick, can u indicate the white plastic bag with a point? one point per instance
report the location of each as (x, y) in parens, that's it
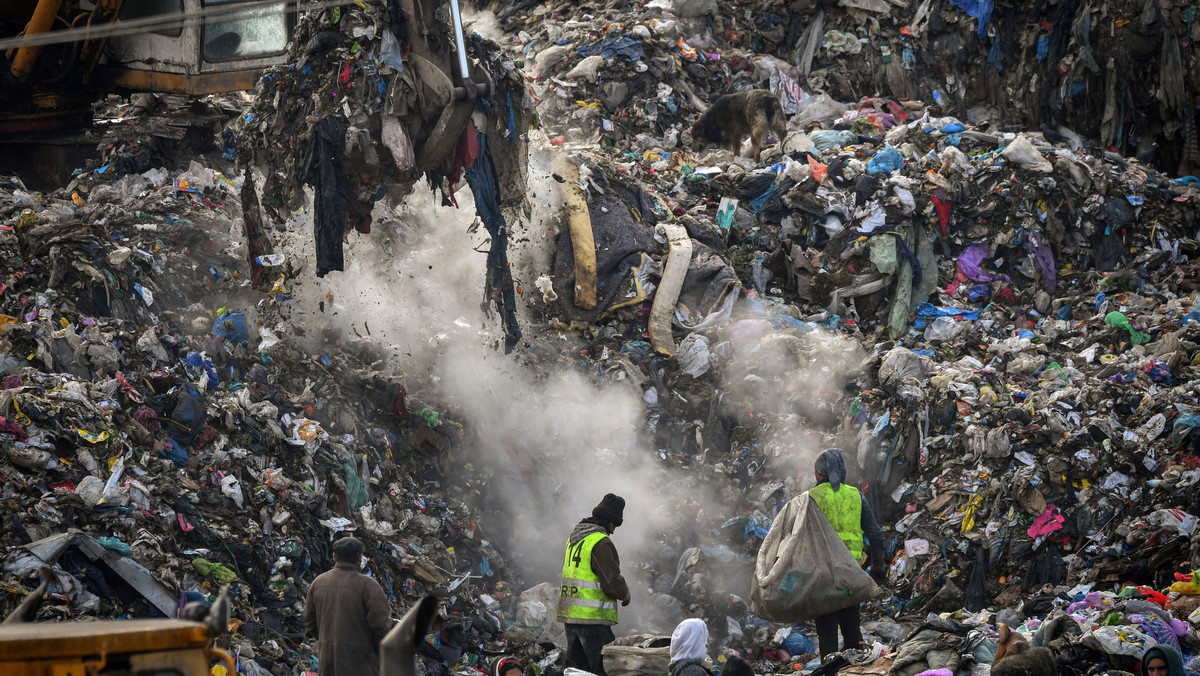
(232, 488)
(1176, 520)
(1118, 641)
(693, 355)
(538, 608)
(1022, 153)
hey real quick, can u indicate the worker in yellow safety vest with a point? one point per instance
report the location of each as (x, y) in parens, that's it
(592, 586)
(847, 511)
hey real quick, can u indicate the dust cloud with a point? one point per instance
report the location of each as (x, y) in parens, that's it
(483, 22)
(554, 441)
(796, 380)
(549, 438)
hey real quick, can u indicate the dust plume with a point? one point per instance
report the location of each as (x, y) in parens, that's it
(483, 22)
(797, 382)
(549, 439)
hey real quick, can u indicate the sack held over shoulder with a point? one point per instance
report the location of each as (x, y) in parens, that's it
(804, 570)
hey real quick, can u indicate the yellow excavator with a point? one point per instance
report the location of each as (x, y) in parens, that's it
(58, 57)
(163, 647)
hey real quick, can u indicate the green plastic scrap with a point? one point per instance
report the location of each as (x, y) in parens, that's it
(218, 571)
(355, 490)
(430, 416)
(115, 545)
(292, 549)
(1119, 320)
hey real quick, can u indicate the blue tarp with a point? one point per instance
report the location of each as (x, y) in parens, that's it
(927, 311)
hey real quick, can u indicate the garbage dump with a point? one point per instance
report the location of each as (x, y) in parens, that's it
(969, 264)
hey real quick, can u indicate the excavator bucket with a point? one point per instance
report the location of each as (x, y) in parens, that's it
(398, 651)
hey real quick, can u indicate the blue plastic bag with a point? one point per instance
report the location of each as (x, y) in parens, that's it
(979, 9)
(885, 161)
(797, 644)
(231, 325)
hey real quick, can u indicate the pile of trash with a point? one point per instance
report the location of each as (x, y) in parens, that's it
(1116, 72)
(160, 443)
(357, 114)
(997, 325)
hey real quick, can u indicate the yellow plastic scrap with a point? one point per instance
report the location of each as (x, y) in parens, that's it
(93, 437)
(1191, 587)
(968, 522)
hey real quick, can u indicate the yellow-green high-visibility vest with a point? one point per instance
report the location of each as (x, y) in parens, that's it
(580, 596)
(843, 508)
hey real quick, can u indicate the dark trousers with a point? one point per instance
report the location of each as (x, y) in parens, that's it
(850, 622)
(584, 642)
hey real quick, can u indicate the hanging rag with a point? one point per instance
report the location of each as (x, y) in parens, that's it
(323, 171)
(481, 176)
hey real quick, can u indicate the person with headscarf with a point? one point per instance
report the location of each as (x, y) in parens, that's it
(847, 511)
(507, 666)
(592, 585)
(1162, 660)
(689, 648)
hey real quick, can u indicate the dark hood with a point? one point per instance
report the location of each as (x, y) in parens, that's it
(1168, 653)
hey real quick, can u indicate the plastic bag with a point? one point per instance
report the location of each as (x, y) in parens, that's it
(1174, 519)
(1118, 641)
(804, 570)
(588, 68)
(90, 490)
(944, 328)
(537, 608)
(885, 161)
(824, 139)
(693, 355)
(232, 488)
(1022, 153)
(791, 96)
(899, 365)
(819, 108)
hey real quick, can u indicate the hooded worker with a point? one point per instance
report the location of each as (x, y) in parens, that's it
(689, 648)
(1162, 660)
(592, 585)
(847, 511)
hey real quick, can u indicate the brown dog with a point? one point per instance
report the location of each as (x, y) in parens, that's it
(734, 116)
(1014, 657)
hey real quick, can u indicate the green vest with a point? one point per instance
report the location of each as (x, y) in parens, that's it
(843, 508)
(580, 596)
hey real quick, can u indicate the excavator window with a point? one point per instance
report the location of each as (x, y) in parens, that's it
(140, 9)
(245, 34)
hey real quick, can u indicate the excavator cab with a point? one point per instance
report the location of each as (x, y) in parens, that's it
(225, 50)
(62, 55)
(58, 57)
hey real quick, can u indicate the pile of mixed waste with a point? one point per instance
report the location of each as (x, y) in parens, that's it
(998, 325)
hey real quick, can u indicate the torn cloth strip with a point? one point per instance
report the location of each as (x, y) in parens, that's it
(1045, 262)
(323, 171)
(970, 264)
(481, 176)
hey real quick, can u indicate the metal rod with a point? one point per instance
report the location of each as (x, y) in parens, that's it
(458, 40)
